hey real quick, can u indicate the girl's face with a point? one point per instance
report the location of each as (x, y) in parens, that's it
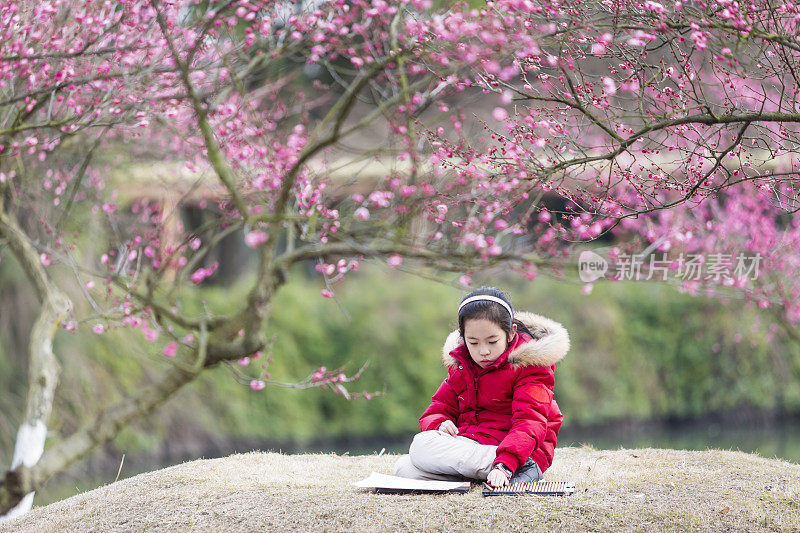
(486, 341)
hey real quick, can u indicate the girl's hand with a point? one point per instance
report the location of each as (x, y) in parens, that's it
(497, 478)
(448, 428)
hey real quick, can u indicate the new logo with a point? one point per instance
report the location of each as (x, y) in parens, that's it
(591, 266)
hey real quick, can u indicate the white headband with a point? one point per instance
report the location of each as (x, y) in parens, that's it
(489, 299)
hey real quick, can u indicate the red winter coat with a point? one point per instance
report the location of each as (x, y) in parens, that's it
(509, 403)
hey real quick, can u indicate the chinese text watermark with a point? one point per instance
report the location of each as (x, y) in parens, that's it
(712, 267)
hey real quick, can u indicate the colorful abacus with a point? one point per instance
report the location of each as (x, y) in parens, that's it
(541, 488)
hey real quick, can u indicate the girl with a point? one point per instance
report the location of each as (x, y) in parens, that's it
(494, 417)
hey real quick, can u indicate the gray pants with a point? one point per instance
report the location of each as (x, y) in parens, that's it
(435, 455)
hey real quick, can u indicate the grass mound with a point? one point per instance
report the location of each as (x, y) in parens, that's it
(646, 489)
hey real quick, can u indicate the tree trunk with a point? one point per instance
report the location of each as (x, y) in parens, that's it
(43, 365)
(19, 482)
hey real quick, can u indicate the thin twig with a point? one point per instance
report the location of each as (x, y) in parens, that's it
(120, 468)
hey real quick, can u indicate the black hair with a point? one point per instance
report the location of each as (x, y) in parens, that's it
(491, 311)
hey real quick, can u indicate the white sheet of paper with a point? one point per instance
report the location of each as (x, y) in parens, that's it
(382, 481)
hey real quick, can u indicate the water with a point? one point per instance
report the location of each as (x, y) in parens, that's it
(778, 441)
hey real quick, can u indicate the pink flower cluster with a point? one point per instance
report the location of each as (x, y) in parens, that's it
(202, 273)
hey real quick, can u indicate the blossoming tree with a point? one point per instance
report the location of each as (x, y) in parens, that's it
(649, 120)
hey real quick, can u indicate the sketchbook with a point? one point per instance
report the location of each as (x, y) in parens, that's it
(541, 488)
(400, 485)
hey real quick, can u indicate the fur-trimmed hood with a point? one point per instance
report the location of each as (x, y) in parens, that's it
(549, 345)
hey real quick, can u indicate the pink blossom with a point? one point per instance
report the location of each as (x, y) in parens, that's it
(700, 39)
(609, 86)
(257, 384)
(499, 114)
(395, 261)
(202, 273)
(254, 239)
(45, 259)
(362, 213)
(325, 268)
(150, 335)
(654, 6)
(381, 198)
(244, 361)
(98, 328)
(132, 321)
(407, 191)
(466, 279)
(171, 349)
(326, 293)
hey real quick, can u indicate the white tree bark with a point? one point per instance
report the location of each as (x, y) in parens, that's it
(27, 451)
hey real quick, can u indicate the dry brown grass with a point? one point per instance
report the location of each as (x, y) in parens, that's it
(642, 490)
